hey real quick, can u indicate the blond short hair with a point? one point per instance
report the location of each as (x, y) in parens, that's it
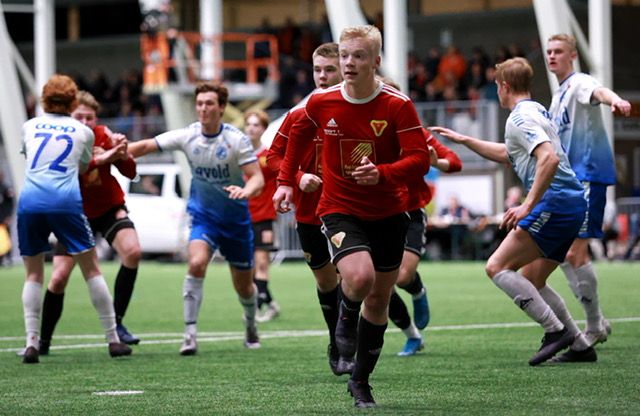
(369, 32)
(261, 115)
(87, 99)
(516, 72)
(566, 38)
(327, 50)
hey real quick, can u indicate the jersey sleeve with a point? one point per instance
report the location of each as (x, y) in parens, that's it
(528, 133)
(171, 140)
(87, 151)
(585, 88)
(299, 143)
(443, 152)
(278, 148)
(246, 154)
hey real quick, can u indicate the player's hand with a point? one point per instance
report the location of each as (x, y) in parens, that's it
(236, 192)
(102, 157)
(367, 173)
(513, 216)
(448, 133)
(433, 156)
(309, 182)
(623, 106)
(282, 198)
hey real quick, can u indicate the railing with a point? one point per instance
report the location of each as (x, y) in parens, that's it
(184, 54)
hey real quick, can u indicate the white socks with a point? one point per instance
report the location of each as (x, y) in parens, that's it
(411, 331)
(32, 307)
(250, 305)
(558, 306)
(527, 298)
(192, 297)
(103, 303)
(584, 285)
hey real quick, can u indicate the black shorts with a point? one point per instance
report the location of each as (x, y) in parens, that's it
(417, 232)
(383, 238)
(314, 245)
(263, 236)
(106, 225)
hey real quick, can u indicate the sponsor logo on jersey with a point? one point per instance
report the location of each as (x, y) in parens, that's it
(337, 239)
(47, 126)
(216, 172)
(332, 129)
(378, 126)
(360, 151)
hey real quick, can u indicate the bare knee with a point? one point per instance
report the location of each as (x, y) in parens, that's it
(131, 256)
(405, 276)
(492, 268)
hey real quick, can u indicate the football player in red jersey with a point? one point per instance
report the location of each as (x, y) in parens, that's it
(326, 73)
(373, 145)
(103, 203)
(262, 216)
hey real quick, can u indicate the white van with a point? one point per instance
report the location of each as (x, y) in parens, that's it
(157, 208)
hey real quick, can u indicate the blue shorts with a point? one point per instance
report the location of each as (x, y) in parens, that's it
(72, 230)
(596, 196)
(553, 232)
(236, 246)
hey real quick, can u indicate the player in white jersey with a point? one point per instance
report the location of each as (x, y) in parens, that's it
(544, 226)
(57, 148)
(220, 156)
(575, 108)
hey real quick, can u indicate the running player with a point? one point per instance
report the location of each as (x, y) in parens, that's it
(545, 224)
(326, 73)
(576, 111)
(57, 148)
(372, 144)
(262, 216)
(220, 157)
(103, 202)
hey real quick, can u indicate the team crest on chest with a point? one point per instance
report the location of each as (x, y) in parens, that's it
(221, 152)
(378, 126)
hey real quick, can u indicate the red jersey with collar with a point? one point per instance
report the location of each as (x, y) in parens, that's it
(100, 190)
(419, 192)
(383, 127)
(306, 203)
(261, 206)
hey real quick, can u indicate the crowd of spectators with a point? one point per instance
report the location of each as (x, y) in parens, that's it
(449, 75)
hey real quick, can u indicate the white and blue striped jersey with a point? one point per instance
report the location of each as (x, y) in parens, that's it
(580, 125)
(528, 126)
(216, 162)
(54, 146)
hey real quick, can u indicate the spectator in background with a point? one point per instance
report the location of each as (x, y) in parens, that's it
(454, 63)
(514, 198)
(432, 62)
(490, 90)
(7, 204)
(287, 36)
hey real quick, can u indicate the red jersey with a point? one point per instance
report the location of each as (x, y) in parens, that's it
(306, 202)
(260, 206)
(100, 190)
(380, 127)
(419, 192)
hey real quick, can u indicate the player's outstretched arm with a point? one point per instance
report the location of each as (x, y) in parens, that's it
(143, 147)
(496, 152)
(607, 96)
(252, 187)
(547, 162)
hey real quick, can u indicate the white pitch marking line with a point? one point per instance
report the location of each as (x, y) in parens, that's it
(176, 338)
(117, 392)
